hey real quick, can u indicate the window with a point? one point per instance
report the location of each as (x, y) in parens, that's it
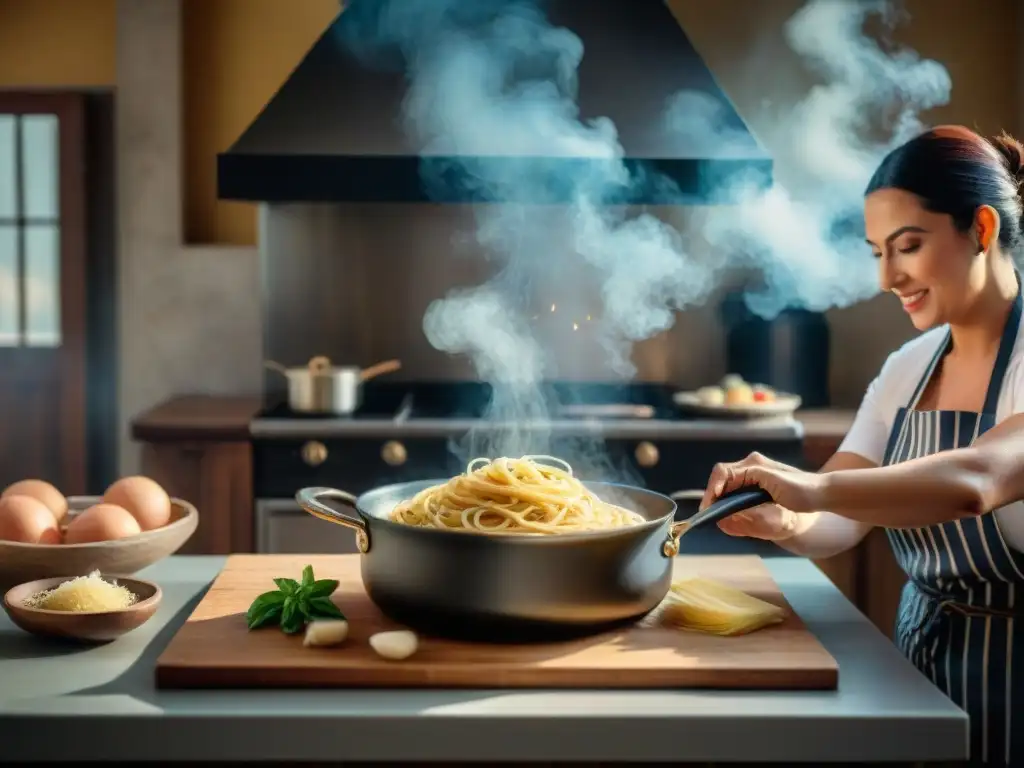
(29, 231)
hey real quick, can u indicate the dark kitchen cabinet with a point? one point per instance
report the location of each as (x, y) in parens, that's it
(281, 467)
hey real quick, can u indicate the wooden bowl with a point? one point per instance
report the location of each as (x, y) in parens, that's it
(26, 562)
(99, 627)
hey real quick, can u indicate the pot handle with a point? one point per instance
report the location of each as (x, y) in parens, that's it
(729, 504)
(387, 366)
(310, 500)
(276, 367)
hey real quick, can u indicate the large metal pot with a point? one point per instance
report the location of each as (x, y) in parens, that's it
(319, 387)
(494, 586)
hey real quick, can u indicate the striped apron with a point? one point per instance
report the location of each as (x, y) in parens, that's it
(956, 616)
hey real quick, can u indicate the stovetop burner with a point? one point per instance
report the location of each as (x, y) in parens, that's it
(443, 410)
(409, 401)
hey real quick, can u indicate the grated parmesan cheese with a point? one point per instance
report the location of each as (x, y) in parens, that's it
(83, 594)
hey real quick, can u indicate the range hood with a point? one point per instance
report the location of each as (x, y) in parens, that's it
(334, 130)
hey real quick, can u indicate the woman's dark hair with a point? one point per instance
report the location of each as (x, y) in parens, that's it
(953, 170)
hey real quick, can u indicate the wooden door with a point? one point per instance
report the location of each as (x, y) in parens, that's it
(42, 289)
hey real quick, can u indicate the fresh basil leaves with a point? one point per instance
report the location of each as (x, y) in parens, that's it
(294, 603)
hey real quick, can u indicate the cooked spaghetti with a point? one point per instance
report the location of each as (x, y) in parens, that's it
(517, 496)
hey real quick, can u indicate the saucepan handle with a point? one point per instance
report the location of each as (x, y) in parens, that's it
(691, 495)
(729, 504)
(311, 500)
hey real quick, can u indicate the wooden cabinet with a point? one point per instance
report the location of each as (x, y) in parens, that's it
(881, 582)
(844, 570)
(217, 478)
(870, 578)
(198, 448)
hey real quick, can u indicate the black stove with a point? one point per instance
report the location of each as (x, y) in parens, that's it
(416, 430)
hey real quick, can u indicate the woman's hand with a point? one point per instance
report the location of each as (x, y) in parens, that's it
(791, 489)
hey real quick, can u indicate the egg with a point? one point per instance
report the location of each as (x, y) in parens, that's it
(143, 498)
(101, 522)
(27, 521)
(40, 490)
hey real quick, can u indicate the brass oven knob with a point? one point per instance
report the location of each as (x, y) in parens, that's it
(314, 453)
(394, 453)
(646, 454)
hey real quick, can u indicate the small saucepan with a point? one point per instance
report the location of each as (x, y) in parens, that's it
(319, 387)
(500, 587)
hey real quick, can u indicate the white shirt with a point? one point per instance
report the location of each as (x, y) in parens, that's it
(892, 390)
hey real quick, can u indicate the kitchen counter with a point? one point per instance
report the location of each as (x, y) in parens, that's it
(197, 417)
(60, 703)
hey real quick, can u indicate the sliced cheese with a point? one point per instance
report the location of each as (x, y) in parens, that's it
(708, 606)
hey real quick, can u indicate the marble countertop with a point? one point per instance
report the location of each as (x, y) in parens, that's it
(60, 702)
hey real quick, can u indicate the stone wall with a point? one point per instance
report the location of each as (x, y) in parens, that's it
(189, 317)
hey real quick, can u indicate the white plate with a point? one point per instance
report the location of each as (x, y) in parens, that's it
(783, 405)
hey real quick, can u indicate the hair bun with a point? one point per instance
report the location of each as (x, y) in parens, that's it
(1012, 152)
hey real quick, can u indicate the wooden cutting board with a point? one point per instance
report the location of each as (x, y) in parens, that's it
(213, 649)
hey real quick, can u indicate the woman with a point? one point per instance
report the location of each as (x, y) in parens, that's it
(936, 451)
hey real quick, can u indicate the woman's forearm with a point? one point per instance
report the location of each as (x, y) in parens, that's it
(921, 492)
(935, 489)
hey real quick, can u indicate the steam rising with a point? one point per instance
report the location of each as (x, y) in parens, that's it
(804, 235)
(493, 77)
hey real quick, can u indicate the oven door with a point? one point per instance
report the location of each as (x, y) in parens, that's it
(284, 528)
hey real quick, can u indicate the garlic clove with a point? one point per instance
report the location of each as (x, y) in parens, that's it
(325, 632)
(396, 645)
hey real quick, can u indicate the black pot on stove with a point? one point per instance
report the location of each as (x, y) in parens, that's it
(789, 353)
